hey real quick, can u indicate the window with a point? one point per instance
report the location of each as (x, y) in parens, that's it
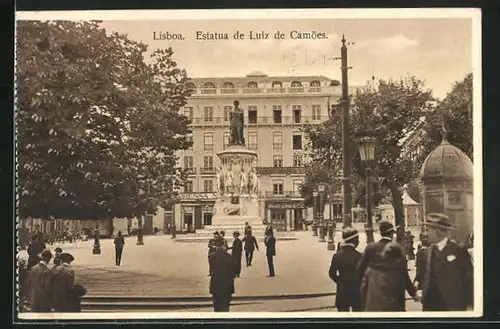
(188, 161)
(278, 187)
(226, 140)
(188, 186)
(208, 185)
(277, 140)
(209, 85)
(252, 140)
(315, 83)
(190, 140)
(297, 113)
(297, 160)
(208, 162)
(253, 84)
(208, 113)
(297, 141)
(228, 85)
(188, 112)
(296, 84)
(277, 117)
(227, 109)
(252, 114)
(297, 184)
(316, 112)
(277, 84)
(208, 141)
(278, 161)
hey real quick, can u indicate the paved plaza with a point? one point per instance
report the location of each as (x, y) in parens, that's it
(163, 267)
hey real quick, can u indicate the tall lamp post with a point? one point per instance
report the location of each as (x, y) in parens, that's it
(367, 155)
(322, 230)
(315, 212)
(97, 246)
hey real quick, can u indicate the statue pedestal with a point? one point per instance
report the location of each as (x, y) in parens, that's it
(238, 203)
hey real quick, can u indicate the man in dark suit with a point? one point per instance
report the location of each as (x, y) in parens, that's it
(249, 246)
(222, 278)
(270, 242)
(448, 282)
(343, 272)
(373, 251)
(211, 249)
(39, 284)
(119, 243)
(421, 262)
(236, 251)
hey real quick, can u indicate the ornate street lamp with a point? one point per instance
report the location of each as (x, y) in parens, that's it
(322, 231)
(97, 246)
(366, 146)
(315, 213)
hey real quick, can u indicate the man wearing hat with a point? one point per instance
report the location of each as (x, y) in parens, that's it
(448, 280)
(373, 251)
(39, 284)
(421, 262)
(222, 277)
(236, 251)
(63, 285)
(343, 272)
(57, 260)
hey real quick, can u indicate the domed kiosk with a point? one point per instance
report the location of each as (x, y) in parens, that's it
(446, 187)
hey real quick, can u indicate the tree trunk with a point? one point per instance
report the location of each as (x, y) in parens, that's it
(397, 203)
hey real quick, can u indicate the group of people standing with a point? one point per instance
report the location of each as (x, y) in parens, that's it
(49, 289)
(377, 279)
(225, 267)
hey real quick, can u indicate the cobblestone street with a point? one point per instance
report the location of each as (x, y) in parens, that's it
(163, 267)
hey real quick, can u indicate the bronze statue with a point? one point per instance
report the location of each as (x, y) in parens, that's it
(236, 119)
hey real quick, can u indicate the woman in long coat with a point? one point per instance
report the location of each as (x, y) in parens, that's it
(384, 283)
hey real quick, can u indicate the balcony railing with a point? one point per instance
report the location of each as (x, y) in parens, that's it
(275, 90)
(191, 171)
(281, 170)
(207, 171)
(285, 194)
(267, 120)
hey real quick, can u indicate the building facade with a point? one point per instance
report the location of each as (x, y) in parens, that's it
(276, 109)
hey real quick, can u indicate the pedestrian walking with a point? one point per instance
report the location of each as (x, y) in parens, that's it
(343, 272)
(236, 251)
(35, 247)
(211, 249)
(249, 246)
(409, 249)
(57, 260)
(39, 284)
(65, 293)
(269, 229)
(448, 280)
(248, 229)
(270, 242)
(421, 261)
(384, 283)
(222, 278)
(119, 243)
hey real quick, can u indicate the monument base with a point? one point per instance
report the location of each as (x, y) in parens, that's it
(230, 215)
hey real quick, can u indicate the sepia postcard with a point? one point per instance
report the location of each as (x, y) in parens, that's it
(246, 164)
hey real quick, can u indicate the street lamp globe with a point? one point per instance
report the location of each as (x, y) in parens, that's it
(367, 148)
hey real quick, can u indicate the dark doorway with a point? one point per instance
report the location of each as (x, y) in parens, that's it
(278, 219)
(188, 222)
(198, 217)
(297, 219)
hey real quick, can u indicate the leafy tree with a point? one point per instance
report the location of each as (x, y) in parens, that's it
(388, 112)
(97, 127)
(456, 112)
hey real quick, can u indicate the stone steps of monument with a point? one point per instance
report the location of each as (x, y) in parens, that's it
(206, 236)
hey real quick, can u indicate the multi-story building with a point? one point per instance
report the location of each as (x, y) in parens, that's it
(276, 108)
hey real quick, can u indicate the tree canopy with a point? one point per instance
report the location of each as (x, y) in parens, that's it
(388, 112)
(97, 127)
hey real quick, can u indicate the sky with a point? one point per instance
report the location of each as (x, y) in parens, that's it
(438, 51)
